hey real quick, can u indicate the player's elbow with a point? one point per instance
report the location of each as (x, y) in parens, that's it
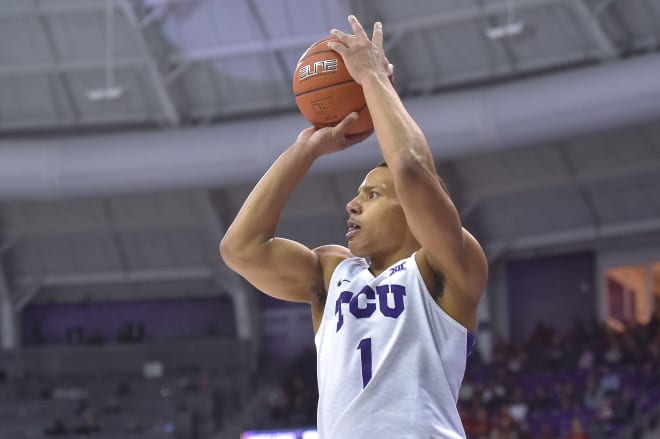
(224, 249)
(412, 163)
(239, 254)
(230, 251)
(413, 178)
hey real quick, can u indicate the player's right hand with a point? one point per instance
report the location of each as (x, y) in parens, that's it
(331, 139)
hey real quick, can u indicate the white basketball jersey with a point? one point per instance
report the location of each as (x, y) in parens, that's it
(391, 361)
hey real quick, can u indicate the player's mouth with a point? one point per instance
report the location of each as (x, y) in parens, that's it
(353, 229)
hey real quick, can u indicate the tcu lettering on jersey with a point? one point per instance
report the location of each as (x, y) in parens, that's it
(363, 304)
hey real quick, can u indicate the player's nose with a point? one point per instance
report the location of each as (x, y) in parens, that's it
(353, 207)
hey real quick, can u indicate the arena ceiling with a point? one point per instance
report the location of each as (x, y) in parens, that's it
(110, 110)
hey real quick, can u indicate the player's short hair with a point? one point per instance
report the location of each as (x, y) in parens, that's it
(442, 182)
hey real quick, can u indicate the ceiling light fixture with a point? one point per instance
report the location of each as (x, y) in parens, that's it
(512, 28)
(110, 91)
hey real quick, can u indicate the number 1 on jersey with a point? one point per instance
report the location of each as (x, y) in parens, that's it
(365, 356)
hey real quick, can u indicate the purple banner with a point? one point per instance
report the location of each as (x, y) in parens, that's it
(554, 290)
(144, 319)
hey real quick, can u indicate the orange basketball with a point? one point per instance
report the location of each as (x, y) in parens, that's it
(325, 91)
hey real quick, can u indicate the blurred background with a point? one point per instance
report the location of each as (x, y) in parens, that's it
(132, 130)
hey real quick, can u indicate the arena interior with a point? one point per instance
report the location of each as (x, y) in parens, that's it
(131, 132)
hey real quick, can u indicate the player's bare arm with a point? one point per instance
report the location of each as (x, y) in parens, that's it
(279, 267)
(430, 212)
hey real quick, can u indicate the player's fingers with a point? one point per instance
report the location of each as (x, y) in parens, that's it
(308, 131)
(341, 36)
(345, 123)
(337, 47)
(358, 30)
(377, 38)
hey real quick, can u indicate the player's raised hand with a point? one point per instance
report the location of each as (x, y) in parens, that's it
(362, 56)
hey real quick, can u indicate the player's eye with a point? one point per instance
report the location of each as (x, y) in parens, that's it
(373, 194)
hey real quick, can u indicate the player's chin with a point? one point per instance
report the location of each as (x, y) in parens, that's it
(356, 249)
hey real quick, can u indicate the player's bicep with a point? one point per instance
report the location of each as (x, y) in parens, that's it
(281, 268)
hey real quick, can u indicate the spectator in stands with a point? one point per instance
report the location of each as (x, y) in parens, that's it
(624, 408)
(75, 335)
(164, 426)
(301, 398)
(499, 354)
(524, 431)
(88, 426)
(483, 425)
(505, 428)
(610, 380)
(57, 429)
(605, 411)
(518, 408)
(96, 337)
(567, 395)
(586, 359)
(540, 401)
(83, 409)
(546, 432)
(593, 396)
(131, 332)
(650, 378)
(135, 427)
(466, 393)
(467, 418)
(630, 345)
(278, 403)
(577, 430)
(112, 406)
(487, 395)
(500, 388)
(518, 361)
(613, 354)
(571, 347)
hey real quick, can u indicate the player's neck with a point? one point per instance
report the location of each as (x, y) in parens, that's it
(379, 263)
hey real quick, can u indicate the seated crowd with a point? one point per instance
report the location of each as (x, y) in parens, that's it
(591, 382)
(86, 407)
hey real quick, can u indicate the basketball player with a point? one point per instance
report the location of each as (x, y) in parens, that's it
(393, 313)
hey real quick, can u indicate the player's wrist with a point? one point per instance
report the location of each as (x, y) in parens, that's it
(307, 151)
(375, 78)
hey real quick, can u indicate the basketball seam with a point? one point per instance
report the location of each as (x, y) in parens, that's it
(331, 124)
(325, 86)
(315, 53)
(361, 108)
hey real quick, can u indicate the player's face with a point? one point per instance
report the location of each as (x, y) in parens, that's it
(376, 223)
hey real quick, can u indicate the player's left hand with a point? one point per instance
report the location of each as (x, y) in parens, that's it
(362, 56)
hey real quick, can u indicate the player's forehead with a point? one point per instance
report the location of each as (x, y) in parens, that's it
(378, 178)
